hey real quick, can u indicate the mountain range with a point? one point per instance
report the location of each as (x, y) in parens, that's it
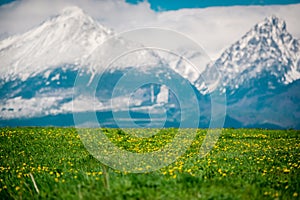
(259, 74)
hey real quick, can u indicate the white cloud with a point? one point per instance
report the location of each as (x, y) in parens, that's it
(214, 28)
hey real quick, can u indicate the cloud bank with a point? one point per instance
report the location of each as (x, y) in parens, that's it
(214, 28)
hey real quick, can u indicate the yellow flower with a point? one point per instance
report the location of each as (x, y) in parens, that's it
(19, 175)
(295, 194)
(286, 187)
(286, 170)
(17, 188)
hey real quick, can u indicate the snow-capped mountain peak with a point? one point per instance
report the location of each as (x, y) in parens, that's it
(75, 16)
(60, 40)
(271, 24)
(73, 11)
(267, 50)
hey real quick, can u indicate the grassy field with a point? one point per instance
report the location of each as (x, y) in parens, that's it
(244, 164)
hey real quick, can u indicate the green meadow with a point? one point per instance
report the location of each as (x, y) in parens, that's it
(53, 163)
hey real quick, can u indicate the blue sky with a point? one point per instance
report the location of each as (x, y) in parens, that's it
(2, 2)
(178, 4)
(162, 5)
